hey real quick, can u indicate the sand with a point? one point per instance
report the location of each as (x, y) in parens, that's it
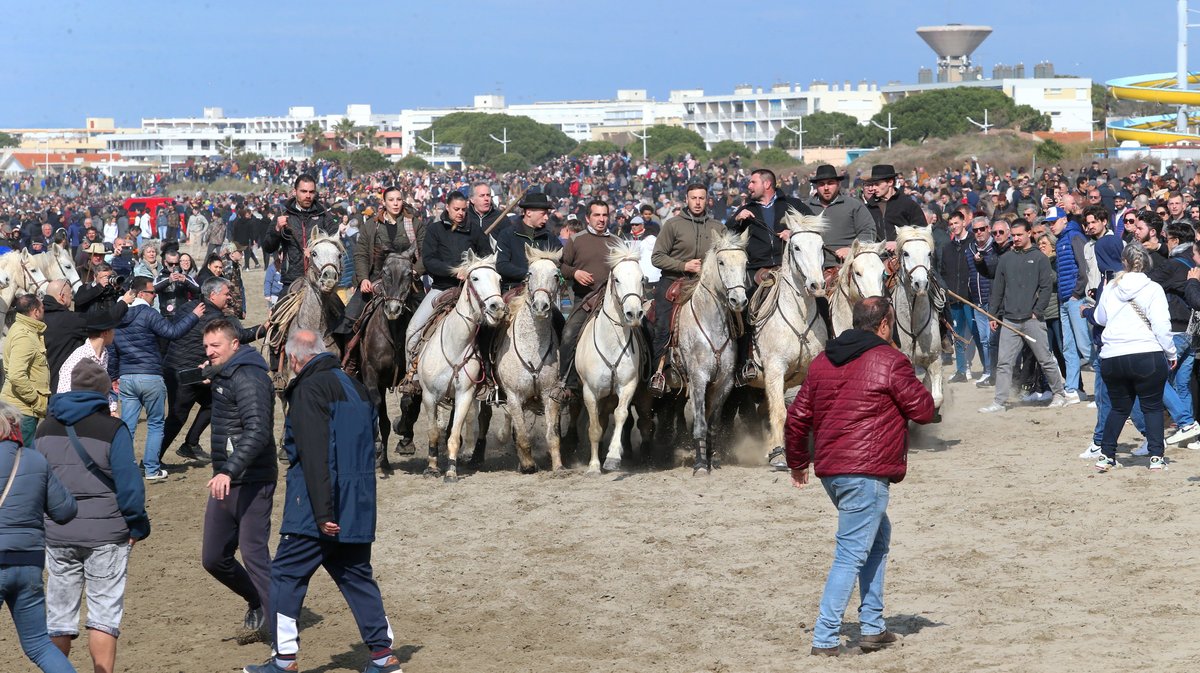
(1008, 554)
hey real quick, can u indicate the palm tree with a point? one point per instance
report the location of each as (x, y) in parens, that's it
(370, 136)
(312, 135)
(343, 130)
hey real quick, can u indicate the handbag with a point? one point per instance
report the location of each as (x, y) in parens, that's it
(11, 477)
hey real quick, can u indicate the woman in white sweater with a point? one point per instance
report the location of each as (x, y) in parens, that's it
(1136, 353)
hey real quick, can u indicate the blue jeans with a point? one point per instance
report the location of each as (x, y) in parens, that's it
(149, 391)
(1182, 376)
(962, 319)
(1180, 413)
(1100, 395)
(1077, 341)
(984, 330)
(21, 590)
(863, 537)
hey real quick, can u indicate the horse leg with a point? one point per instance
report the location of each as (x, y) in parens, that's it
(552, 436)
(643, 401)
(463, 398)
(717, 393)
(625, 393)
(434, 432)
(410, 408)
(698, 387)
(520, 428)
(933, 380)
(595, 430)
(773, 379)
(385, 431)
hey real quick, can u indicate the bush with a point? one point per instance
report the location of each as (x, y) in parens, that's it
(727, 147)
(773, 156)
(367, 160)
(506, 163)
(1049, 151)
(591, 147)
(474, 130)
(333, 155)
(413, 162)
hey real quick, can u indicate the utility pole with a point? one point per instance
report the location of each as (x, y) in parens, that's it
(889, 128)
(985, 125)
(799, 131)
(503, 142)
(432, 142)
(643, 137)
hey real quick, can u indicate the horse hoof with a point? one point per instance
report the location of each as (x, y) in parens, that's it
(385, 470)
(612, 465)
(476, 459)
(450, 479)
(405, 447)
(531, 469)
(432, 473)
(700, 471)
(593, 471)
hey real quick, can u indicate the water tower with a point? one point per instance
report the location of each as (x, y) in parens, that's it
(954, 44)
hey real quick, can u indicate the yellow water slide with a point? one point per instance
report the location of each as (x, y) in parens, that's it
(1156, 88)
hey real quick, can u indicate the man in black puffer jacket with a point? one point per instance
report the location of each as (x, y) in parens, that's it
(187, 352)
(293, 230)
(244, 470)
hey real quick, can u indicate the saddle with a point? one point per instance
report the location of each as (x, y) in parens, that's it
(592, 300)
(678, 293)
(830, 275)
(512, 294)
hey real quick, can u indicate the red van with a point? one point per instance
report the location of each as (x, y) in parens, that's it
(151, 204)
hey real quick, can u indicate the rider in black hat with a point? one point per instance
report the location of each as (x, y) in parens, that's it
(889, 206)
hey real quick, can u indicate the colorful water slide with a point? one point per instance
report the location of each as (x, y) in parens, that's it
(1156, 88)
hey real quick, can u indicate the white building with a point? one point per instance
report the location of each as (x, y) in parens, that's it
(1068, 100)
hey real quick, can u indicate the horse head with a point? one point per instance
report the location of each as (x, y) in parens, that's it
(35, 280)
(62, 258)
(543, 282)
(915, 245)
(805, 254)
(396, 282)
(482, 285)
(324, 253)
(863, 271)
(625, 281)
(725, 267)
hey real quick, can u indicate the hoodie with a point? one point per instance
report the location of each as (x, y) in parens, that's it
(851, 344)
(1125, 333)
(112, 503)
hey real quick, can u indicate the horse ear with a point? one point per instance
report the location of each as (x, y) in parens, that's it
(743, 238)
(529, 250)
(469, 257)
(315, 233)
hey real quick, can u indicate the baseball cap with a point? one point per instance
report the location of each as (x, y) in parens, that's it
(1054, 214)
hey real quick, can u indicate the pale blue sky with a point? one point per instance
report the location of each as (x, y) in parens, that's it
(132, 59)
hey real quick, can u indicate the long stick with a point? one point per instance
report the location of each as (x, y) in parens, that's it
(1016, 331)
(504, 213)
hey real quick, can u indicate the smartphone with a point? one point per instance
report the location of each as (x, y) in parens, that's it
(190, 376)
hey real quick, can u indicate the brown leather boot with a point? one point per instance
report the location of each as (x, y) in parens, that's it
(878, 641)
(826, 651)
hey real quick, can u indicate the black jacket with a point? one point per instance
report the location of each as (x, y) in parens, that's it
(511, 261)
(765, 248)
(243, 413)
(486, 220)
(187, 351)
(172, 294)
(1171, 274)
(954, 266)
(66, 330)
(898, 211)
(294, 237)
(443, 250)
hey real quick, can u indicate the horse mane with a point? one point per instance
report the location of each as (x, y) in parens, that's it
(624, 251)
(533, 254)
(321, 236)
(799, 222)
(855, 248)
(470, 263)
(906, 234)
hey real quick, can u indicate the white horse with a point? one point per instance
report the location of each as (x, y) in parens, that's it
(861, 276)
(609, 355)
(22, 276)
(319, 306)
(527, 356)
(56, 263)
(449, 364)
(708, 325)
(788, 330)
(918, 306)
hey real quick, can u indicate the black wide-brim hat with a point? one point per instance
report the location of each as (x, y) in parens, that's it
(881, 172)
(826, 172)
(536, 201)
(99, 321)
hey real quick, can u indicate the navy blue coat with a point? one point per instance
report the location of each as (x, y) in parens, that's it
(135, 347)
(36, 493)
(329, 437)
(511, 261)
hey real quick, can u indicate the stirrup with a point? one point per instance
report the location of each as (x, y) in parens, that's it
(561, 393)
(749, 372)
(409, 386)
(658, 384)
(777, 459)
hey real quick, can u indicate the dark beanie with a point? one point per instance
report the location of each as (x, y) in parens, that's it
(90, 376)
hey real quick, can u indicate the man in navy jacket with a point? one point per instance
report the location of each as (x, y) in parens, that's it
(329, 511)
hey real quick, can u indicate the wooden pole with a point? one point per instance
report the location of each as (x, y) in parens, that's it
(504, 213)
(1001, 322)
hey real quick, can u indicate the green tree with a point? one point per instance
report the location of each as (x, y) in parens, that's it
(370, 136)
(507, 163)
(775, 156)
(8, 140)
(591, 147)
(333, 155)
(343, 130)
(943, 113)
(367, 160)
(1049, 151)
(822, 129)
(676, 139)
(534, 142)
(413, 162)
(312, 136)
(727, 147)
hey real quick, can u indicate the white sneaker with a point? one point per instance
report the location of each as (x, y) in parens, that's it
(992, 408)
(1058, 402)
(1158, 463)
(1072, 396)
(1143, 449)
(161, 475)
(1194, 446)
(1091, 405)
(1185, 433)
(1092, 452)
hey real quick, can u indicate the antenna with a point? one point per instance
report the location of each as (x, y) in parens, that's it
(799, 131)
(889, 128)
(503, 142)
(643, 137)
(985, 125)
(432, 142)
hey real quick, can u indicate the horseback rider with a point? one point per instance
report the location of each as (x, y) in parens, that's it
(293, 229)
(377, 237)
(762, 215)
(681, 245)
(511, 261)
(585, 265)
(446, 239)
(890, 207)
(846, 218)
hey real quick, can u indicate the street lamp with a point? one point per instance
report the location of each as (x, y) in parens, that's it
(889, 128)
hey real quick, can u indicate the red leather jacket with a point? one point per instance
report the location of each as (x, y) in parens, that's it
(859, 410)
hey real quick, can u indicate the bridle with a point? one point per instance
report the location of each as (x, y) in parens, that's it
(620, 300)
(473, 293)
(474, 323)
(905, 278)
(74, 284)
(552, 295)
(854, 279)
(727, 311)
(612, 290)
(312, 246)
(795, 263)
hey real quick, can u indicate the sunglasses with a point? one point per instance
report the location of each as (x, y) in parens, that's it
(1129, 220)
(979, 229)
(998, 231)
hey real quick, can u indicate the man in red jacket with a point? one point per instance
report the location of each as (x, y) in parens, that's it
(857, 401)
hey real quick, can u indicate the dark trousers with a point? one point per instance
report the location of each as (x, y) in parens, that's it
(180, 400)
(242, 520)
(354, 310)
(662, 319)
(1137, 375)
(570, 338)
(296, 560)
